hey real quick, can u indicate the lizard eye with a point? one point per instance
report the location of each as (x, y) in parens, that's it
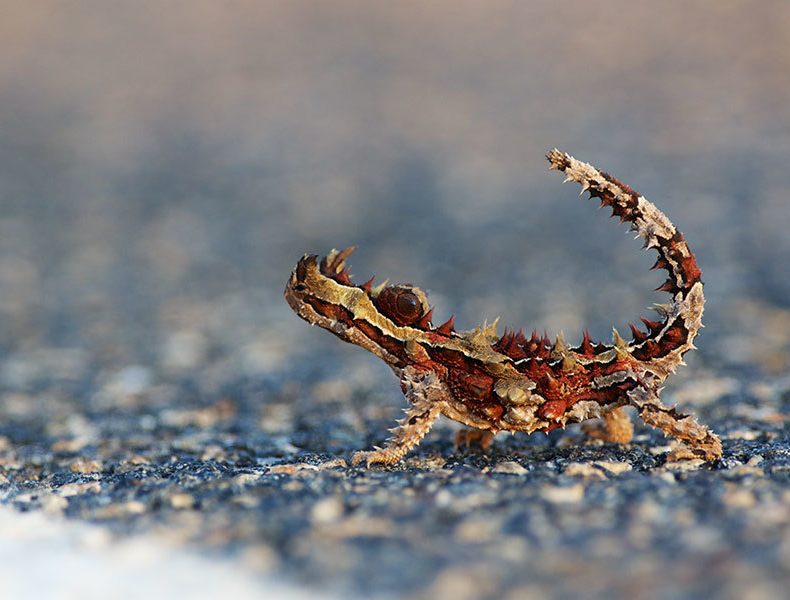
(401, 304)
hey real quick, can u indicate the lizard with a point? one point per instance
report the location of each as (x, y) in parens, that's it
(514, 382)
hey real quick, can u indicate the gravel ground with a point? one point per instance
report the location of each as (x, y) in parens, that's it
(163, 413)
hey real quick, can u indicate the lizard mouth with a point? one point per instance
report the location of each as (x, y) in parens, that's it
(332, 266)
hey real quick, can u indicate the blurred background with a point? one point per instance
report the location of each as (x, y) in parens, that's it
(163, 167)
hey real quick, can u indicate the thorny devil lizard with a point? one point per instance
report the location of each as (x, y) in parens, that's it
(512, 382)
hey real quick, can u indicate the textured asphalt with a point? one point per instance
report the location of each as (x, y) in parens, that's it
(162, 170)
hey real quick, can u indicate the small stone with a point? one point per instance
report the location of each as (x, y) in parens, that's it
(121, 510)
(76, 489)
(83, 465)
(586, 470)
(246, 478)
(684, 465)
(335, 463)
(327, 510)
(130, 381)
(277, 417)
(260, 558)
(563, 495)
(743, 434)
(431, 463)
(477, 529)
(213, 452)
(614, 467)
(291, 468)
(750, 468)
(737, 497)
(72, 445)
(184, 350)
(509, 468)
(246, 501)
(53, 504)
(443, 498)
(182, 501)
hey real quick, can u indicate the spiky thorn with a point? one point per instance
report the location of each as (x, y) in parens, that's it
(448, 327)
(639, 336)
(377, 289)
(534, 341)
(368, 285)
(586, 347)
(652, 326)
(512, 343)
(560, 347)
(334, 262)
(620, 345)
(662, 309)
(344, 276)
(425, 321)
(545, 339)
(489, 331)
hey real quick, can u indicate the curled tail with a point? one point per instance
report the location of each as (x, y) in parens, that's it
(661, 349)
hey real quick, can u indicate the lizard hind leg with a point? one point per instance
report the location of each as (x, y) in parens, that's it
(468, 437)
(696, 440)
(427, 396)
(615, 426)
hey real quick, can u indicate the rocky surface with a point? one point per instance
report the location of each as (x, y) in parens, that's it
(160, 173)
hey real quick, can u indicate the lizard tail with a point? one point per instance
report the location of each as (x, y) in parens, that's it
(661, 348)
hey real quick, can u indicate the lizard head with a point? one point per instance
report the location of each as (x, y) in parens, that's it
(380, 319)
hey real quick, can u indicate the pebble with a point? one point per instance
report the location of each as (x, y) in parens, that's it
(684, 465)
(77, 489)
(563, 495)
(613, 467)
(182, 501)
(478, 529)
(586, 470)
(509, 468)
(84, 465)
(120, 510)
(738, 497)
(246, 478)
(52, 503)
(327, 510)
(749, 468)
(290, 469)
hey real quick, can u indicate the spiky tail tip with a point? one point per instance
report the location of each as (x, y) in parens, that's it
(663, 346)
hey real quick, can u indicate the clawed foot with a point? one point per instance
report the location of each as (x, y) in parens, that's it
(709, 452)
(695, 440)
(383, 456)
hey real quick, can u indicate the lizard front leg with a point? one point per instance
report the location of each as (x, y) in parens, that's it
(427, 396)
(697, 441)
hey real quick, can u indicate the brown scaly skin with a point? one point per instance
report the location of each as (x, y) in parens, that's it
(513, 382)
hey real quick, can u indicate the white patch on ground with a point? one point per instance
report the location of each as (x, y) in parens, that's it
(44, 557)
